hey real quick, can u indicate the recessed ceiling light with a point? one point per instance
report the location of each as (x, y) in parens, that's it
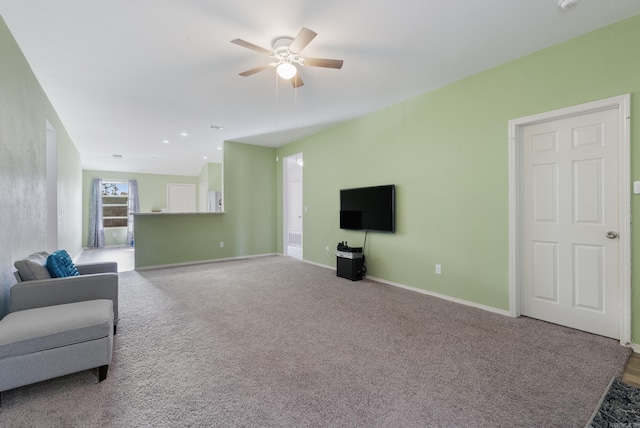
(219, 148)
(165, 141)
(219, 128)
(204, 157)
(184, 134)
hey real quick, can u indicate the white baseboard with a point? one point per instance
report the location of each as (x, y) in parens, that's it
(200, 262)
(319, 265)
(444, 297)
(635, 347)
(428, 293)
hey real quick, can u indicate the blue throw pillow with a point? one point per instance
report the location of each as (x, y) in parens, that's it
(59, 265)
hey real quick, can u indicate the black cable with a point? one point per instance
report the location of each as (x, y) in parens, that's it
(364, 267)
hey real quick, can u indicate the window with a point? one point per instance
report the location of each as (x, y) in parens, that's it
(115, 204)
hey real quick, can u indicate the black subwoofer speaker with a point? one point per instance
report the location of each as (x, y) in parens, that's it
(349, 268)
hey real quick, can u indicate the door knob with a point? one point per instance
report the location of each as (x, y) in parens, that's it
(612, 235)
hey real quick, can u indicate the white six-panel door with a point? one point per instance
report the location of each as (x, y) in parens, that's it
(570, 218)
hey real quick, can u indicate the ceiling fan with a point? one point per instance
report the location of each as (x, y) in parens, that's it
(286, 53)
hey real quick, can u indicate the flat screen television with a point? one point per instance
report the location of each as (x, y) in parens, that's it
(368, 208)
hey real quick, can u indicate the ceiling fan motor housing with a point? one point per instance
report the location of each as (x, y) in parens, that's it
(281, 43)
(282, 53)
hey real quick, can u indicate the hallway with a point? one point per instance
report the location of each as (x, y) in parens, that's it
(124, 255)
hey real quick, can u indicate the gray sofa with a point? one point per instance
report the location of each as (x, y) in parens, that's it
(42, 343)
(35, 287)
(58, 326)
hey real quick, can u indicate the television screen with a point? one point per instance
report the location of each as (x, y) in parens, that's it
(368, 208)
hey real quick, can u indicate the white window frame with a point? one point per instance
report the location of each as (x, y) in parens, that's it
(126, 205)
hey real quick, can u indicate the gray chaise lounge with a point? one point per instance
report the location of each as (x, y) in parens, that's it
(56, 326)
(36, 288)
(42, 343)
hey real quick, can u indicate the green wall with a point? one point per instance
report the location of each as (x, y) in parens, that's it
(211, 176)
(250, 197)
(216, 182)
(247, 227)
(166, 239)
(152, 192)
(446, 151)
(215, 176)
(24, 112)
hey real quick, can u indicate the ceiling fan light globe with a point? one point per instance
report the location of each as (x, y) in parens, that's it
(286, 70)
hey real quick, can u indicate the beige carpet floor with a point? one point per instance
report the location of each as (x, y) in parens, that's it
(274, 342)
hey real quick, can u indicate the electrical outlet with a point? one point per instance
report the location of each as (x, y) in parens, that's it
(439, 269)
(114, 234)
(221, 244)
(327, 249)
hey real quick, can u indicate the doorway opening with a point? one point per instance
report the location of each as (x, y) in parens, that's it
(292, 206)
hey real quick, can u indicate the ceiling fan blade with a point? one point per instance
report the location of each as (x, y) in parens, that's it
(303, 38)
(320, 62)
(296, 80)
(253, 47)
(254, 70)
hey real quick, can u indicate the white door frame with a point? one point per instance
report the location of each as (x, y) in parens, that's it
(285, 201)
(52, 232)
(182, 189)
(622, 103)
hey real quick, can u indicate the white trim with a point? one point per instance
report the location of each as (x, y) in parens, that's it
(201, 262)
(285, 201)
(622, 103)
(422, 291)
(54, 210)
(635, 347)
(443, 296)
(319, 264)
(285, 207)
(190, 186)
(331, 268)
(625, 219)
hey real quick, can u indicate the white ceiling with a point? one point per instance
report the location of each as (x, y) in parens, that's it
(124, 75)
